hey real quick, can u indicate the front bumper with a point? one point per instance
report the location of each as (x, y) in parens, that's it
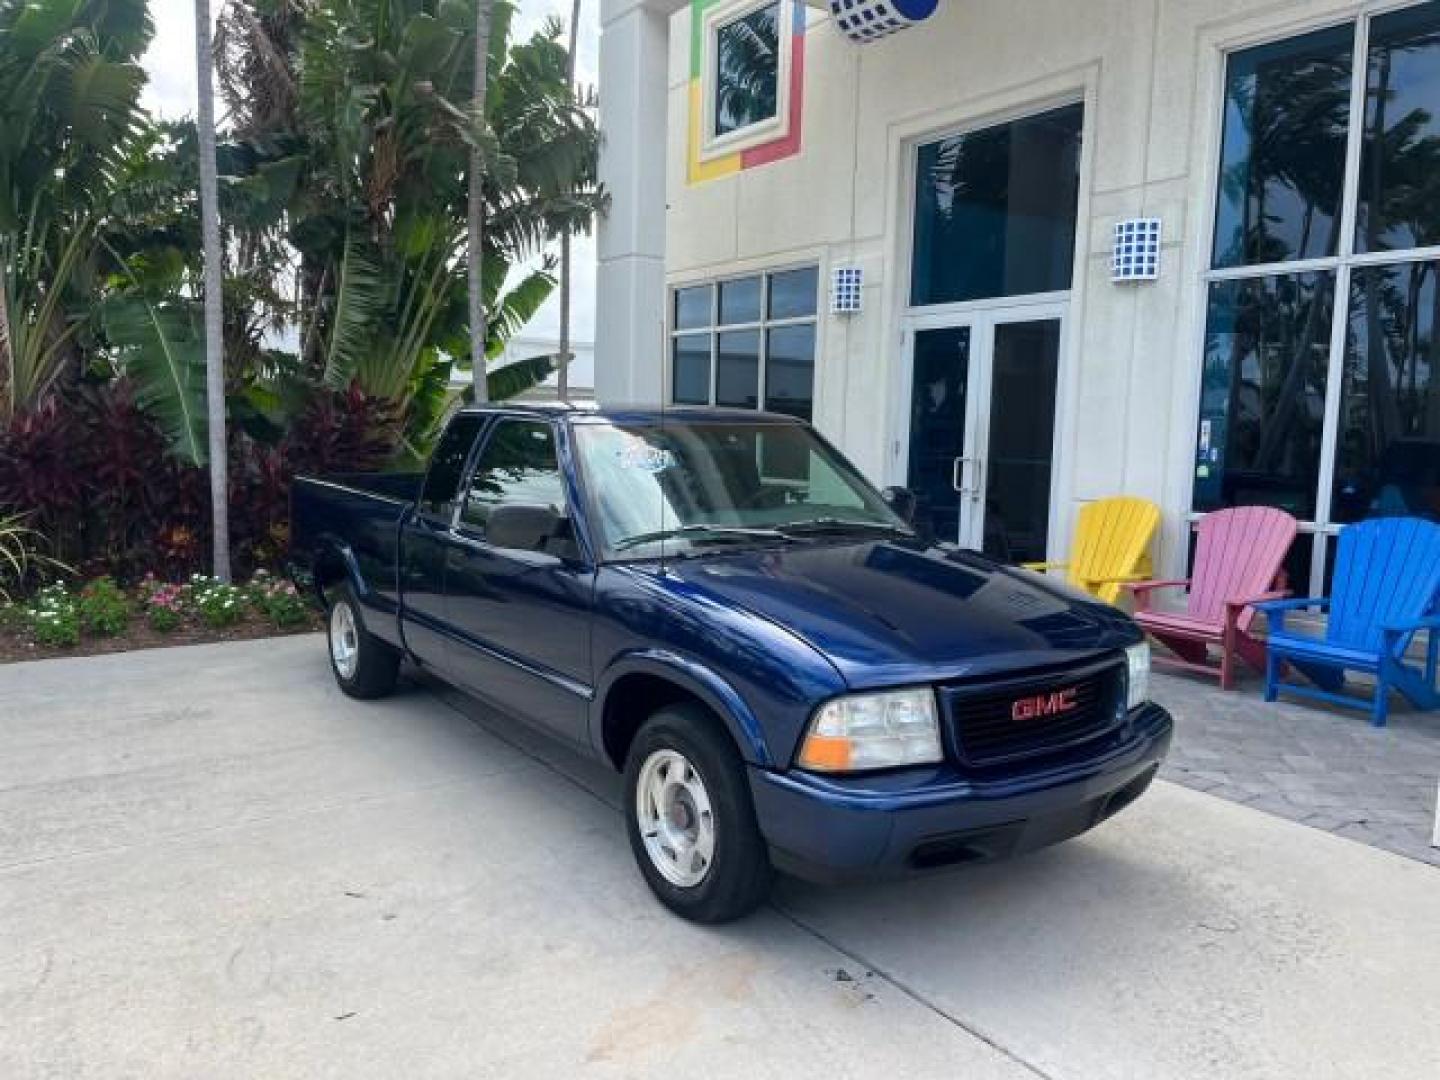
(837, 828)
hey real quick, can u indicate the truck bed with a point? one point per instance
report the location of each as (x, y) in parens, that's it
(363, 512)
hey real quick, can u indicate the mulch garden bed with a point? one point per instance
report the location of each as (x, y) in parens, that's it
(15, 645)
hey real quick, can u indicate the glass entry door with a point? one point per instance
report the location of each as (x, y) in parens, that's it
(981, 444)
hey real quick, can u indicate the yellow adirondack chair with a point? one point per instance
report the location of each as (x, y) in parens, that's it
(1111, 546)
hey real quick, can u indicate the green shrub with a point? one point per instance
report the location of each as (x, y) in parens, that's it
(54, 617)
(166, 606)
(103, 609)
(277, 601)
(218, 605)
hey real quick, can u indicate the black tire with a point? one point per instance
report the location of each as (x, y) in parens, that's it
(376, 664)
(737, 878)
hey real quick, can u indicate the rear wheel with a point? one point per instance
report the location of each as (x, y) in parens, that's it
(365, 667)
(691, 820)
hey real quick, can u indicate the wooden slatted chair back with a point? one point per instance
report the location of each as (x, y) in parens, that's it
(1387, 572)
(1111, 541)
(1238, 554)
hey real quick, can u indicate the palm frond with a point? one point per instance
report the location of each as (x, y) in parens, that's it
(359, 304)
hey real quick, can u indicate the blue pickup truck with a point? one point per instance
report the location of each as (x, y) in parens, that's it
(719, 606)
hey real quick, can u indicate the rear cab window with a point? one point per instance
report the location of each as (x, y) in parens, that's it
(447, 465)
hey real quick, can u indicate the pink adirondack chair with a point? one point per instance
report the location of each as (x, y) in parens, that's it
(1237, 561)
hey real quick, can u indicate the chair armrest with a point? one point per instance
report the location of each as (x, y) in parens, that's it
(1257, 602)
(1041, 567)
(1410, 626)
(1143, 586)
(1275, 610)
(1140, 590)
(1278, 606)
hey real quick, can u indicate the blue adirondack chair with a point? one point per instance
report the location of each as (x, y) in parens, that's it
(1386, 590)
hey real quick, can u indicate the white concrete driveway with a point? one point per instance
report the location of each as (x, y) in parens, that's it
(213, 865)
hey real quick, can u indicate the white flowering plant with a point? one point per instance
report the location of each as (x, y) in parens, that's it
(53, 617)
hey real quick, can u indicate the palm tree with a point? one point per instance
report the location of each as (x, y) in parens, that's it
(475, 236)
(563, 389)
(70, 83)
(214, 284)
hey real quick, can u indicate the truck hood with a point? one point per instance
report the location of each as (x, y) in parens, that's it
(892, 613)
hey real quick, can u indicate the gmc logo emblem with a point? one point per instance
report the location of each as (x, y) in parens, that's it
(1042, 705)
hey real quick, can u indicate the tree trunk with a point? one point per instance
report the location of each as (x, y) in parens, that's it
(476, 222)
(563, 383)
(7, 356)
(214, 284)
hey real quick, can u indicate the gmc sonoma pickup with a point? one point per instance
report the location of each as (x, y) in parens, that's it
(718, 605)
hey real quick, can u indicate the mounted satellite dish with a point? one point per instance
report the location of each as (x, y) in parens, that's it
(870, 20)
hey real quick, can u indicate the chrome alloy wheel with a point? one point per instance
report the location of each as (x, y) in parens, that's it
(676, 823)
(344, 640)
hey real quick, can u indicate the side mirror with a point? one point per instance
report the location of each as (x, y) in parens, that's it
(523, 527)
(902, 501)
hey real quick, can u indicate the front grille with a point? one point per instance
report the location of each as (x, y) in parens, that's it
(986, 730)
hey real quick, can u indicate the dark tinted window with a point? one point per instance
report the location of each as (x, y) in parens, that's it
(747, 69)
(790, 371)
(1282, 162)
(737, 382)
(517, 465)
(691, 382)
(1400, 169)
(692, 307)
(740, 301)
(995, 210)
(792, 293)
(446, 464)
(1262, 407)
(1389, 452)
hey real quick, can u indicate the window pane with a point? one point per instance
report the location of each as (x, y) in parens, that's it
(995, 210)
(1399, 207)
(1282, 163)
(1267, 342)
(747, 72)
(793, 293)
(1388, 460)
(518, 465)
(442, 482)
(740, 301)
(692, 307)
(738, 381)
(790, 371)
(690, 384)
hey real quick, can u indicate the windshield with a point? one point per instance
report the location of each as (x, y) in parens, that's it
(692, 484)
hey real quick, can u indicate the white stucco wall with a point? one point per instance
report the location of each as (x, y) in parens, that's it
(1149, 72)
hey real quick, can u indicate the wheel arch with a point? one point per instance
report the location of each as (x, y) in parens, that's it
(334, 562)
(652, 679)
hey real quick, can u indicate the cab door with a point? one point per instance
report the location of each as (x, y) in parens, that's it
(522, 624)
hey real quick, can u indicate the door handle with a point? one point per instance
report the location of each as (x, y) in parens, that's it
(957, 477)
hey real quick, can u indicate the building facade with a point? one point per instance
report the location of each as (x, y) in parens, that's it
(1022, 254)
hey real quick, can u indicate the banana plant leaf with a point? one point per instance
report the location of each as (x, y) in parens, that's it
(162, 348)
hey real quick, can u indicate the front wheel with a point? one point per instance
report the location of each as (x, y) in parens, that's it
(691, 820)
(365, 667)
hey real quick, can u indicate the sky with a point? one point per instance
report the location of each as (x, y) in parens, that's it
(170, 64)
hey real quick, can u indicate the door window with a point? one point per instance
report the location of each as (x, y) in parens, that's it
(938, 413)
(517, 465)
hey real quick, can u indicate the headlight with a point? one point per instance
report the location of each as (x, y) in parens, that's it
(1137, 663)
(873, 731)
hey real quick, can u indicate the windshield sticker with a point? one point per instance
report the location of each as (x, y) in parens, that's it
(642, 457)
